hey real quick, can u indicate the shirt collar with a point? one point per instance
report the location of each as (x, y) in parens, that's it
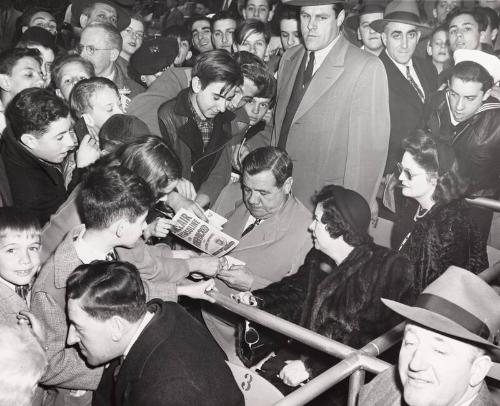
(85, 252)
(321, 54)
(145, 321)
(400, 66)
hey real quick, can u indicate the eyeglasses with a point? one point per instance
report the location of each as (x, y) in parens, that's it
(90, 49)
(406, 172)
(139, 35)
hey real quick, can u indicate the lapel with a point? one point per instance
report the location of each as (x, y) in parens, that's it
(425, 80)
(325, 77)
(399, 85)
(188, 132)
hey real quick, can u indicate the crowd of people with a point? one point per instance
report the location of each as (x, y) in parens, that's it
(301, 122)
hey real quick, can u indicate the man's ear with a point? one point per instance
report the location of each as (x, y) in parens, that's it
(29, 140)
(287, 186)
(59, 93)
(120, 228)
(487, 94)
(244, 13)
(84, 20)
(24, 28)
(114, 54)
(5, 82)
(384, 38)
(429, 48)
(143, 79)
(196, 84)
(271, 13)
(359, 34)
(340, 18)
(494, 34)
(118, 328)
(480, 368)
(482, 37)
(419, 34)
(434, 13)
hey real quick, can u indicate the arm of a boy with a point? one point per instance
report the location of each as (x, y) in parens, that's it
(66, 368)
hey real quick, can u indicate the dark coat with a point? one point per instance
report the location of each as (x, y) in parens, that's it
(35, 185)
(476, 142)
(343, 302)
(173, 362)
(179, 129)
(405, 106)
(445, 236)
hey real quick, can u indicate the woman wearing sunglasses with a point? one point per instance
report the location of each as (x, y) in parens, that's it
(441, 232)
(336, 293)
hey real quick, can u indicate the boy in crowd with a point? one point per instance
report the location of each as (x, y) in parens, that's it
(37, 140)
(183, 37)
(197, 125)
(201, 34)
(223, 27)
(19, 261)
(262, 10)
(114, 204)
(38, 17)
(67, 71)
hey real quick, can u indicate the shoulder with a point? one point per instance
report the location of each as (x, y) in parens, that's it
(383, 390)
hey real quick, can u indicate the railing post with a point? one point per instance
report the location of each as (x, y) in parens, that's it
(356, 381)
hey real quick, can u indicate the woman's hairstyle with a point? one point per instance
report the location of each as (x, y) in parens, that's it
(84, 90)
(438, 160)
(469, 71)
(64, 60)
(249, 27)
(151, 159)
(337, 224)
(23, 362)
(14, 219)
(269, 159)
(106, 289)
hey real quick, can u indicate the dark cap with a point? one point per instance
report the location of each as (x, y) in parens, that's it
(40, 36)
(155, 55)
(123, 17)
(375, 6)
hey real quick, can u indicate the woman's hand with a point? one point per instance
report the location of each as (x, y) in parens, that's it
(238, 277)
(294, 373)
(88, 152)
(197, 290)
(160, 228)
(176, 201)
(186, 189)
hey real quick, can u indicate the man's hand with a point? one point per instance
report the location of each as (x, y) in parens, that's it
(197, 290)
(88, 151)
(246, 298)
(160, 227)
(176, 201)
(238, 277)
(294, 373)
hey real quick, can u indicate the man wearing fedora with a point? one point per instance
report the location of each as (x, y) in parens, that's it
(360, 23)
(411, 80)
(450, 339)
(332, 112)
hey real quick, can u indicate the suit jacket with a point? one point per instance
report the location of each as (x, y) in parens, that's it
(10, 305)
(173, 362)
(385, 390)
(406, 107)
(340, 131)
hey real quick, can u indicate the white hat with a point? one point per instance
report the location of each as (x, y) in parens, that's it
(489, 62)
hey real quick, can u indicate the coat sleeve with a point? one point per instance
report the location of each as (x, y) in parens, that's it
(369, 129)
(219, 176)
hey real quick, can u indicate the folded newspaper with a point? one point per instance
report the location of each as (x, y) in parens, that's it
(202, 235)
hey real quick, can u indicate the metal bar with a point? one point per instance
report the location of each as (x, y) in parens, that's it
(323, 382)
(485, 202)
(385, 341)
(356, 381)
(296, 332)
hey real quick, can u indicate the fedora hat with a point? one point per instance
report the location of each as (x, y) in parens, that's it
(123, 17)
(489, 62)
(311, 2)
(399, 11)
(458, 304)
(352, 21)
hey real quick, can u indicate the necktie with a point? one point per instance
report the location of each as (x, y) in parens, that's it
(111, 256)
(22, 290)
(414, 84)
(308, 73)
(250, 227)
(116, 370)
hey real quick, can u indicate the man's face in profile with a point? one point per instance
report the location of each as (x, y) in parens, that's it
(436, 370)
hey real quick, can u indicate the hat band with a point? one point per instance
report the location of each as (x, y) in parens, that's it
(453, 312)
(403, 16)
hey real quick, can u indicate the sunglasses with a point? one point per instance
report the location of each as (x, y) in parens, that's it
(406, 172)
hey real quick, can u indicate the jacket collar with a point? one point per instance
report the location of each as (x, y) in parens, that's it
(65, 258)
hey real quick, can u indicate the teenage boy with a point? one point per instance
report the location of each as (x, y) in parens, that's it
(196, 123)
(114, 204)
(19, 261)
(37, 140)
(262, 10)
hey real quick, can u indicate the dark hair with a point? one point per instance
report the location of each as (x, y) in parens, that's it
(10, 57)
(30, 11)
(251, 26)
(16, 219)
(480, 18)
(85, 89)
(217, 66)
(469, 71)
(199, 18)
(333, 220)
(437, 159)
(121, 129)
(32, 110)
(269, 159)
(177, 31)
(491, 17)
(64, 60)
(110, 193)
(223, 15)
(270, 3)
(112, 39)
(107, 289)
(437, 29)
(254, 68)
(149, 158)
(289, 13)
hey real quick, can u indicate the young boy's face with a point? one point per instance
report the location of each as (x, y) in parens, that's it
(26, 73)
(257, 109)
(105, 102)
(70, 75)
(55, 143)
(211, 100)
(19, 256)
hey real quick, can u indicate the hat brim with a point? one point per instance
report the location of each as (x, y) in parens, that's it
(440, 324)
(379, 25)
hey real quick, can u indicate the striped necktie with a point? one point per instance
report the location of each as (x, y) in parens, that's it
(414, 84)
